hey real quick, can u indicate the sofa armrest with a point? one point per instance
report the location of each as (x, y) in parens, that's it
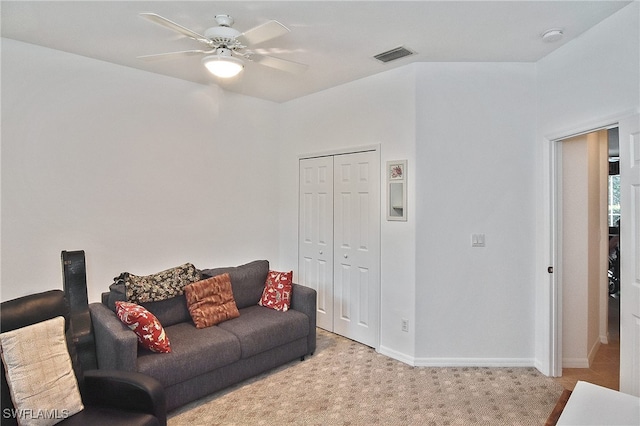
(125, 390)
(304, 299)
(116, 344)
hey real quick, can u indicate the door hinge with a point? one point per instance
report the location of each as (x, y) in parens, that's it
(550, 269)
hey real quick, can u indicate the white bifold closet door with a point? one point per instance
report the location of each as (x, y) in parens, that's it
(339, 239)
(315, 235)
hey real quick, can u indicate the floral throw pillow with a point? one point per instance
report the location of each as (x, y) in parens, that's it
(150, 332)
(160, 286)
(277, 291)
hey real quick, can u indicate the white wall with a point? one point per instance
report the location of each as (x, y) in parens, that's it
(142, 171)
(475, 146)
(467, 132)
(584, 84)
(376, 110)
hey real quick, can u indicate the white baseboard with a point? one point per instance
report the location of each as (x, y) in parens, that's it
(475, 362)
(538, 365)
(582, 362)
(594, 351)
(399, 356)
(457, 362)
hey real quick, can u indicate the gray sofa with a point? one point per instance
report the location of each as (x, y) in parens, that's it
(206, 360)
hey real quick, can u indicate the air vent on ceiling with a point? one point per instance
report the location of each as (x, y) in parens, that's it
(393, 54)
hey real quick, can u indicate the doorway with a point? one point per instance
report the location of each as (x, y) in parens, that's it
(588, 210)
(549, 296)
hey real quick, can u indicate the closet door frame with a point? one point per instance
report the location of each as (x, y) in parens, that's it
(375, 323)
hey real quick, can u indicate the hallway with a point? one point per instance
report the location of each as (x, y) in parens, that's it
(605, 368)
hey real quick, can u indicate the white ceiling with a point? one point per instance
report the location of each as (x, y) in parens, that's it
(337, 39)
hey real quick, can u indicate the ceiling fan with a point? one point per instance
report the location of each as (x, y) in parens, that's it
(226, 47)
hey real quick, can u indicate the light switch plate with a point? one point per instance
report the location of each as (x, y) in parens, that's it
(477, 240)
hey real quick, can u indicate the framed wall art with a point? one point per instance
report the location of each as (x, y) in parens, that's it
(397, 190)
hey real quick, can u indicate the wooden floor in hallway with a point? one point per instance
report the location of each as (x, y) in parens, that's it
(605, 368)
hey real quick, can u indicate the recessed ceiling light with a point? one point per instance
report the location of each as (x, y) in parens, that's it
(552, 35)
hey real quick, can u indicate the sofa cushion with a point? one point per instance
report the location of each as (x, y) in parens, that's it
(211, 301)
(193, 352)
(171, 311)
(277, 291)
(259, 329)
(247, 281)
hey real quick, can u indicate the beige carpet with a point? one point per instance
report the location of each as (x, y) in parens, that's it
(346, 383)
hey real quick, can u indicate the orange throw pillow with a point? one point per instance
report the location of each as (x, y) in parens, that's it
(211, 301)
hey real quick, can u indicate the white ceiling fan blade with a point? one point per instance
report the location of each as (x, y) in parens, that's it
(277, 63)
(171, 55)
(263, 32)
(175, 27)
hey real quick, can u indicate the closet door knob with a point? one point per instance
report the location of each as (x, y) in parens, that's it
(346, 256)
(320, 251)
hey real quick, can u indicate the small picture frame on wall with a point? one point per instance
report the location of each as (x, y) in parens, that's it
(396, 170)
(397, 190)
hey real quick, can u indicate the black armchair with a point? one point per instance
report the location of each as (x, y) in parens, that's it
(109, 397)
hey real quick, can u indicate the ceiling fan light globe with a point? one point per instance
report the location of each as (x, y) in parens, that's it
(223, 66)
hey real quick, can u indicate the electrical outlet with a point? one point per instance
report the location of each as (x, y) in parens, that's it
(405, 325)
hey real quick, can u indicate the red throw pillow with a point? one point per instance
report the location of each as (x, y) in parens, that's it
(150, 333)
(277, 291)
